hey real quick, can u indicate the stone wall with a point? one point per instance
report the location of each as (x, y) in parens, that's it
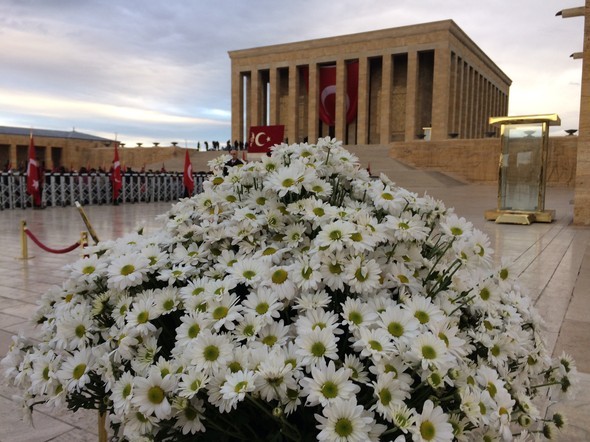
(477, 160)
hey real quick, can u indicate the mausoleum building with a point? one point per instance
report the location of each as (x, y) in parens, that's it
(401, 84)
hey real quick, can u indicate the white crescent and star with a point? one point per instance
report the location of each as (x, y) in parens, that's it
(331, 90)
(257, 138)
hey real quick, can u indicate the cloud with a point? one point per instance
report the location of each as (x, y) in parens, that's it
(150, 65)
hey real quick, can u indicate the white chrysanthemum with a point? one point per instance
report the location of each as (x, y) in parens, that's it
(237, 385)
(122, 393)
(276, 376)
(224, 311)
(281, 282)
(273, 334)
(264, 303)
(344, 421)
(88, 269)
(74, 372)
(362, 275)
(400, 323)
(318, 318)
(327, 384)
(316, 345)
(74, 327)
(248, 271)
(357, 313)
(178, 272)
(306, 271)
(430, 351)
(423, 309)
(189, 416)
(374, 343)
(333, 270)
(191, 382)
(432, 425)
(456, 227)
(142, 312)
(150, 395)
(128, 271)
(288, 179)
(334, 236)
(389, 393)
(210, 351)
(192, 324)
(408, 227)
(166, 300)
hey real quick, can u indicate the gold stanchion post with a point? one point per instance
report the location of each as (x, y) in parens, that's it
(23, 241)
(87, 222)
(102, 430)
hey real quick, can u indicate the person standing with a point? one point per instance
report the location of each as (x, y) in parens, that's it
(234, 161)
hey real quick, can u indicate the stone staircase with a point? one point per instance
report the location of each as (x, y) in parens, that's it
(375, 157)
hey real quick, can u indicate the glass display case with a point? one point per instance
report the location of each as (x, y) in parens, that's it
(522, 169)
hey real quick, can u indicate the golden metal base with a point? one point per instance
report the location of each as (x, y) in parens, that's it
(516, 217)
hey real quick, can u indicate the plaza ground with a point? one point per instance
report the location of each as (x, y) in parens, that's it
(552, 260)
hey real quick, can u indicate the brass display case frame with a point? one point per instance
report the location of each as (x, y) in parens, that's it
(523, 215)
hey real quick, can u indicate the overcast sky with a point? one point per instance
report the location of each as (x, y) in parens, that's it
(156, 70)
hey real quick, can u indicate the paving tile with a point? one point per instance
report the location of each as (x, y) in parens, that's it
(553, 261)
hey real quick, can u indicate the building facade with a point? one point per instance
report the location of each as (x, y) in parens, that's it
(421, 81)
(53, 148)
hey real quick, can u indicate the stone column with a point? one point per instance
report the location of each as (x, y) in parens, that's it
(385, 104)
(440, 93)
(255, 98)
(293, 105)
(312, 104)
(411, 95)
(362, 118)
(237, 106)
(274, 96)
(248, 104)
(340, 123)
(582, 189)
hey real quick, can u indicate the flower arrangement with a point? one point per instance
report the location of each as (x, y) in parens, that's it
(296, 298)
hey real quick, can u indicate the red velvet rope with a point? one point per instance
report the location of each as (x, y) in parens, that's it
(50, 250)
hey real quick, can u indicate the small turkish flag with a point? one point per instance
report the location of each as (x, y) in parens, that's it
(116, 178)
(33, 175)
(262, 138)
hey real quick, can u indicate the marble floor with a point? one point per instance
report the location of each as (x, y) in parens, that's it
(553, 261)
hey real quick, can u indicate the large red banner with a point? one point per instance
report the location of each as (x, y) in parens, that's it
(327, 105)
(262, 138)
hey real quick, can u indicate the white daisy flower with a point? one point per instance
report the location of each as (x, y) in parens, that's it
(316, 345)
(74, 371)
(327, 384)
(150, 395)
(374, 343)
(237, 385)
(210, 351)
(189, 416)
(432, 425)
(264, 303)
(356, 313)
(362, 275)
(428, 350)
(344, 421)
(122, 393)
(128, 271)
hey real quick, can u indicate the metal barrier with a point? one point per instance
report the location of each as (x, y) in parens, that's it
(64, 189)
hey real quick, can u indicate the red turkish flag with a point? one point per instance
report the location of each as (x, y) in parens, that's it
(327, 108)
(33, 175)
(116, 175)
(187, 179)
(262, 138)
